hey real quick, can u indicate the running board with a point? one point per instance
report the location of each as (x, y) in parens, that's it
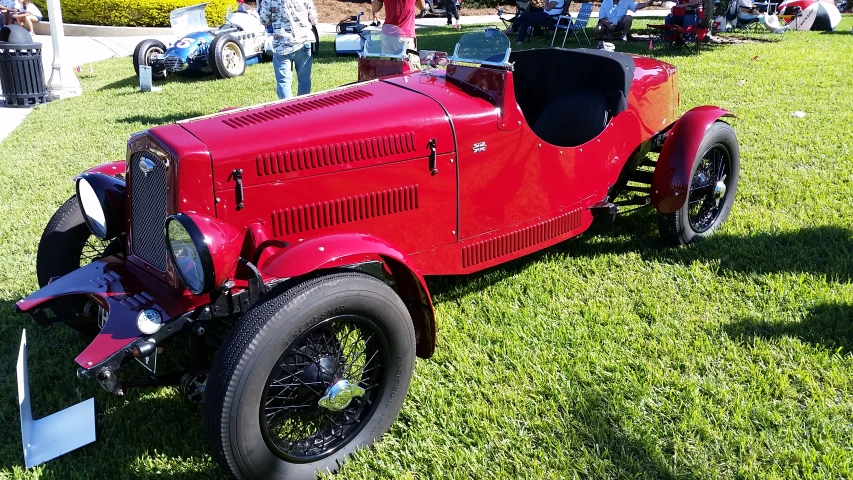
(54, 435)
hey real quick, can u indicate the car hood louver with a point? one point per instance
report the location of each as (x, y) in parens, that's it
(294, 107)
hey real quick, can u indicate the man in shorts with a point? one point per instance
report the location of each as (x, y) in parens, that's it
(613, 16)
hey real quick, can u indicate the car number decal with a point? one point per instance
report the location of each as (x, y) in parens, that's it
(184, 43)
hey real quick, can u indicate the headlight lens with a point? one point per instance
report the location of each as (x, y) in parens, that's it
(102, 202)
(93, 211)
(185, 256)
(203, 250)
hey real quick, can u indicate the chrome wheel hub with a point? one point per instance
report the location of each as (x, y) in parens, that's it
(339, 395)
(720, 190)
(232, 58)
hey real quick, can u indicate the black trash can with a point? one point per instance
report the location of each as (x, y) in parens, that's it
(21, 70)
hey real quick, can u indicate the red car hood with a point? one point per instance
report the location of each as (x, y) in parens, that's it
(361, 125)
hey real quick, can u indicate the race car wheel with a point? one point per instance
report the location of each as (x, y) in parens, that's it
(144, 55)
(713, 184)
(227, 59)
(309, 375)
(66, 245)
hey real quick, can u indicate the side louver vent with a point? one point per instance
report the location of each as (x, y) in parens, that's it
(520, 239)
(294, 108)
(344, 210)
(335, 154)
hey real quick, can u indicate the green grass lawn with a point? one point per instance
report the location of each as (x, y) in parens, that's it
(609, 356)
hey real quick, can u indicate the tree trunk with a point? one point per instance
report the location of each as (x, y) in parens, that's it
(708, 6)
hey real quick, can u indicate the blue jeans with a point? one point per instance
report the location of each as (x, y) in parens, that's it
(527, 20)
(685, 21)
(283, 66)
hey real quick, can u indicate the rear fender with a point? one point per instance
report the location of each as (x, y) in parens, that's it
(113, 169)
(345, 250)
(671, 178)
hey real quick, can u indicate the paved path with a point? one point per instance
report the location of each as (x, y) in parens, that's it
(83, 50)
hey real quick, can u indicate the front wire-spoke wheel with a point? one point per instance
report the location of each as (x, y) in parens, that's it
(323, 388)
(710, 195)
(309, 375)
(66, 245)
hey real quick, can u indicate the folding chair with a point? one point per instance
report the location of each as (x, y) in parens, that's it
(791, 15)
(521, 6)
(746, 26)
(555, 19)
(573, 25)
(678, 37)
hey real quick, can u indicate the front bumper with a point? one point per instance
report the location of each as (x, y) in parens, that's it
(124, 293)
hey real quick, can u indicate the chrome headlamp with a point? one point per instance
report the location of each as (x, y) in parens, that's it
(102, 202)
(203, 250)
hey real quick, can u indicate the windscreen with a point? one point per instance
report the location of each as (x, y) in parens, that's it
(387, 41)
(489, 47)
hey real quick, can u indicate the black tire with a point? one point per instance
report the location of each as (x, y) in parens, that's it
(66, 245)
(142, 56)
(258, 349)
(315, 47)
(707, 205)
(226, 57)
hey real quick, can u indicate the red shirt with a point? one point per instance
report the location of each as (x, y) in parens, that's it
(402, 14)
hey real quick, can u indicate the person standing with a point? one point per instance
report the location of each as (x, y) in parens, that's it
(291, 22)
(451, 12)
(400, 13)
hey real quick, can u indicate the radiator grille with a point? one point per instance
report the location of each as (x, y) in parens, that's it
(344, 210)
(294, 107)
(175, 64)
(148, 210)
(335, 154)
(520, 239)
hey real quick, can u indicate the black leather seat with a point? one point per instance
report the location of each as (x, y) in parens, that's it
(573, 119)
(568, 96)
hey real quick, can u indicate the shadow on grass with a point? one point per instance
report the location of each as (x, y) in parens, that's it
(133, 81)
(827, 325)
(630, 455)
(133, 433)
(825, 250)
(152, 120)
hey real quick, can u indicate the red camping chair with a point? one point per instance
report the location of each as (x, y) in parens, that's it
(679, 37)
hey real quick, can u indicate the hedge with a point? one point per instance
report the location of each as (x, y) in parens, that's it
(134, 13)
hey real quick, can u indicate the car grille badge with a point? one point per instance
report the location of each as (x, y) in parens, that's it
(146, 165)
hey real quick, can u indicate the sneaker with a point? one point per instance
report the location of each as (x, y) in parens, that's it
(457, 26)
(624, 38)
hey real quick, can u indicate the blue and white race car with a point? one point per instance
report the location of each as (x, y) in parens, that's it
(223, 51)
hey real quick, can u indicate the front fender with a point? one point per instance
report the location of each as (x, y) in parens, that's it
(336, 251)
(113, 169)
(671, 178)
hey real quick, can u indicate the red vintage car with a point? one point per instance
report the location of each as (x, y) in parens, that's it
(302, 230)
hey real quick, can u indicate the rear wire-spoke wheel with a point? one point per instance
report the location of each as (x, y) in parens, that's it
(309, 375)
(66, 245)
(713, 183)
